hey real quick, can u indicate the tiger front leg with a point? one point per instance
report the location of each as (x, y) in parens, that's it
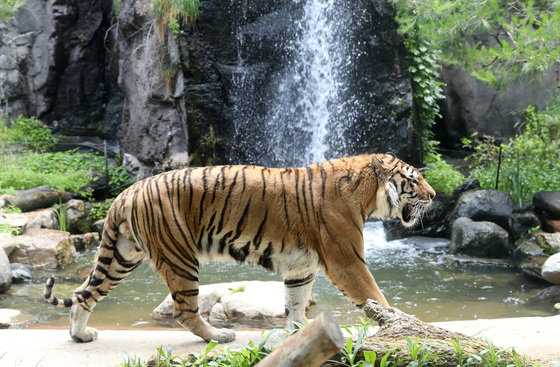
(298, 294)
(355, 281)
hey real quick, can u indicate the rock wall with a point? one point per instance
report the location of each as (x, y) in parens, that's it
(473, 106)
(55, 64)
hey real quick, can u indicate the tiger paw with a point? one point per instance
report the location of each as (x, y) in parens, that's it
(222, 336)
(88, 335)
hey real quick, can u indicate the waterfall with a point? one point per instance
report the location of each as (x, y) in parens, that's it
(299, 115)
(315, 80)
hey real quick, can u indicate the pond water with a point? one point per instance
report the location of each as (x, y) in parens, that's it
(416, 275)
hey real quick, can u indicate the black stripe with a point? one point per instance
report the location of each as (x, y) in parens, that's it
(285, 199)
(294, 283)
(223, 242)
(358, 255)
(265, 259)
(323, 180)
(257, 240)
(240, 254)
(310, 174)
(105, 260)
(68, 302)
(226, 201)
(263, 182)
(243, 177)
(186, 293)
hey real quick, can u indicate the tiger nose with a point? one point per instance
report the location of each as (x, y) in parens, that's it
(431, 194)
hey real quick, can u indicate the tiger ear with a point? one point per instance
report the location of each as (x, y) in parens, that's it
(379, 167)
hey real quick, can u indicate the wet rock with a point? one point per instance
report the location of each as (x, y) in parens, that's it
(5, 272)
(14, 220)
(36, 198)
(472, 184)
(84, 241)
(550, 294)
(484, 205)
(482, 239)
(249, 303)
(97, 226)
(433, 224)
(551, 269)
(532, 267)
(525, 248)
(43, 248)
(21, 273)
(549, 242)
(521, 223)
(6, 243)
(552, 225)
(77, 216)
(42, 218)
(547, 202)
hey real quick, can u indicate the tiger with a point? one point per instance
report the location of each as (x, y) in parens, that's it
(291, 221)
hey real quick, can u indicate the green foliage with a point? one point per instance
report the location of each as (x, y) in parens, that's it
(530, 162)
(28, 133)
(424, 70)
(99, 210)
(61, 217)
(8, 8)
(6, 228)
(171, 14)
(442, 176)
(520, 38)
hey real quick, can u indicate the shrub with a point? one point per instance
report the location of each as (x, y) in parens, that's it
(442, 176)
(530, 162)
(30, 134)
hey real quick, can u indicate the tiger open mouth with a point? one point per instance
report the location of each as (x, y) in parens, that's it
(408, 214)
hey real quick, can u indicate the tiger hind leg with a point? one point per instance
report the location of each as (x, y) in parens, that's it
(185, 304)
(108, 272)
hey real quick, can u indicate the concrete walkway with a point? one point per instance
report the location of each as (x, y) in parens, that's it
(535, 336)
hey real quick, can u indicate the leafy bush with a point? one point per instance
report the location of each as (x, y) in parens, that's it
(442, 176)
(30, 134)
(530, 162)
(8, 8)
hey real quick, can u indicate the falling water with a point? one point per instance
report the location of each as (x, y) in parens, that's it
(302, 101)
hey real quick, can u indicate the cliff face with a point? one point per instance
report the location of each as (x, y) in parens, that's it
(54, 64)
(93, 75)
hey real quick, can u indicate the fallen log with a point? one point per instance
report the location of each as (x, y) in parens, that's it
(400, 334)
(309, 347)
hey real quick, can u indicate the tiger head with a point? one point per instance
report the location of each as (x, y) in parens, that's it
(408, 195)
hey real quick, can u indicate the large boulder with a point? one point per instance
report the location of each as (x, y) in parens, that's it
(15, 220)
(42, 218)
(21, 273)
(551, 269)
(520, 224)
(36, 198)
(248, 303)
(481, 239)
(547, 202)
(43, 248)
(549, 242)
(484, 205)
(77, 216)
(529, 257)
(5, 272)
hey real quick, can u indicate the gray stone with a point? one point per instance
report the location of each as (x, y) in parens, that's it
(551, 269)
(549, 242)
(548, 202)
(550, 294)
(521, 223)
(77, 216)
(43, 248)
(248, 303)
(527, 247)
(5, 272)
(14, 220)
(36, 198)
(97, 226)
(84, 241)
(21, 273)
(484, 205)
(472, 184)
(474, 106)
(482, 239)
(532, 267)
(10, 318)
(42, 218)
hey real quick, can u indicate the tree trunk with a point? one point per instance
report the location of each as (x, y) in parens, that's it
(309, 347)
